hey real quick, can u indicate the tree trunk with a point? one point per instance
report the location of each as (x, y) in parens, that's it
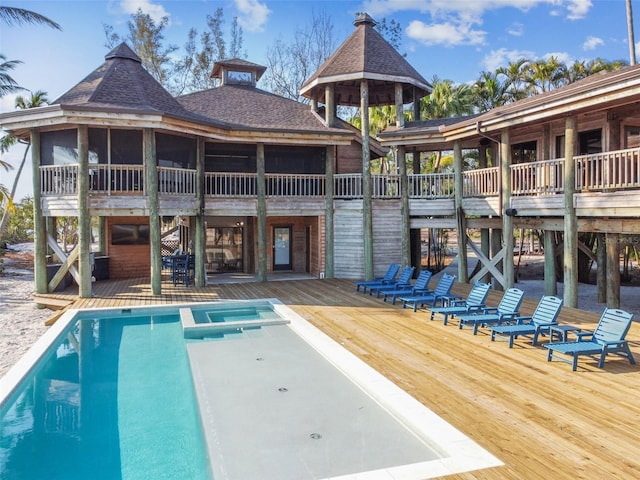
(5, 214)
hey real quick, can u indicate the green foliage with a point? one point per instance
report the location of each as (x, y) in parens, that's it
(19, 228)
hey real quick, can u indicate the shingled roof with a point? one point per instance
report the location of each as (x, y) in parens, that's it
(366, 55)
(243, 107)
(121, 83)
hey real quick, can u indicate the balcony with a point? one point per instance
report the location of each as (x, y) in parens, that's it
(534, 184)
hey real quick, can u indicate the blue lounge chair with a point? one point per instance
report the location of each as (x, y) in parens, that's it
(388, 277)
(404, 281)
(506, 311)
(473, 303)
(420, 287)
(608, 337)
(440, 293)
(545, 316)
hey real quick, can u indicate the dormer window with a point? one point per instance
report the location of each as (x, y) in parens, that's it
(237, 77)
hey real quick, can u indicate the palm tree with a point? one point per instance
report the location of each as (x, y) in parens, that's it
(7, 83)
(490, 92)
(37, 99)
(19, 16)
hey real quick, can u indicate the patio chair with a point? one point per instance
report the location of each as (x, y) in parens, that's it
(506, 311)
(183, 267)
(420, 287)
(545, 316)
(404, 281)
(388, 278)
(473, 303)
(440, 293)
(608, 337)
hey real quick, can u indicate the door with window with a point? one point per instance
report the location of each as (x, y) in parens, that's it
(281, 248)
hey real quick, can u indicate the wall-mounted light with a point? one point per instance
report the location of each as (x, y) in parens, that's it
(511, 212)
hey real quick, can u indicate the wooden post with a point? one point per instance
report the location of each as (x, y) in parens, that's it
(570, 220)
(416, 105)
(405, 237)
(463, 266)
(151, 189)
(415, 233)
(613, 270)
(496, 245)
(102, 235)
(367, 215)
(601, 270)
(200, 241)
(39, 222)
(399, 106)
(550, 283)
(507, 220)
(329, 105)
(84, 219)
(328, 212)
(262, 213)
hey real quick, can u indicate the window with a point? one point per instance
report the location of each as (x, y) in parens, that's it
(524, 152)
(631, 137)
(129, 234)
(236, 77)
(174, 151)
(126, 147)
(590, 142)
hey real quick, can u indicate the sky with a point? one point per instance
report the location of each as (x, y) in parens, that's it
(448, 39)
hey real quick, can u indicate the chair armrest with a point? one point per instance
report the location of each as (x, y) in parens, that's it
(490, 310)
(581, 336)
(472, 307)
(523, 320)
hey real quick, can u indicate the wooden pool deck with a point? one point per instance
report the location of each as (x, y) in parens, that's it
(541, 419)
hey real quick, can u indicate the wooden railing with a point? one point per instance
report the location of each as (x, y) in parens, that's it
(609, 170)
(59, 180)
(484, 182)
(538, 178)
(598, 172)
(176, 181)
(431, 185)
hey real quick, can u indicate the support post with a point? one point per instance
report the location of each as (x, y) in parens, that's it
(200, 241)
(601, 271)
(507, 220)
(329, 213)
(329, 106)
(570, 252)
(367, 215)
(84, 220)
(39, 221)
(262, 213)
(550, 283)
(405, 236)
(613, 270)
(151, 189)
(463, 266)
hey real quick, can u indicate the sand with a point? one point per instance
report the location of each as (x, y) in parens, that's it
(21, 323)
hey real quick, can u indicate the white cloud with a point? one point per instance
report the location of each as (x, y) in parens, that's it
(253, 14)
(502, 57)
(578, 9)
(154, 10)
(448, 34)
(591, 43)
(516, 29)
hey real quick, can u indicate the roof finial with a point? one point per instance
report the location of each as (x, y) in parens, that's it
(363, 18)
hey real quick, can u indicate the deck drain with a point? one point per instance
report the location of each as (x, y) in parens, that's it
(283, 389)
(259, 359)
(315, 436)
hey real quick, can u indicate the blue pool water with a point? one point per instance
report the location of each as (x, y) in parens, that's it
(113, 400)
(233, 313)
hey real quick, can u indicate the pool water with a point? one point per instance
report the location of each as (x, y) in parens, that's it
(234, 313)
(113, 400)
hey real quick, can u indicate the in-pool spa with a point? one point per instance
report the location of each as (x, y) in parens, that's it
(150, 392)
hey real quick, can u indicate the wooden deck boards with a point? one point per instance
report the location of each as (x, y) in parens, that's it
(541, 419)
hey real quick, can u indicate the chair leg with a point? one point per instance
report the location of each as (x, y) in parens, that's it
(574, 365)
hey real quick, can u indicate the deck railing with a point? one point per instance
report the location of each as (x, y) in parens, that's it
(538, 178)
(59, 180)
(176, 181)
(484, 182)
(609, 170)
(598, 172)
(431, 185)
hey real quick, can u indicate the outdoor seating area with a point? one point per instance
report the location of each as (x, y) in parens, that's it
(566, 427)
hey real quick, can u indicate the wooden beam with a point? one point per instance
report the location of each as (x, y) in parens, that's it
(39, 222)
(84, 219)
(367, 211)
(570, 221)
(66, 266)
(613, 270)
(151, 189)
(329, 253)
(488, 265)
(507, 220)
(262, 213)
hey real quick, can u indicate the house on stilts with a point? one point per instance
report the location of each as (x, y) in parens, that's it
(249, 181)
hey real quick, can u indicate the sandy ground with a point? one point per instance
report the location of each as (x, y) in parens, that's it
(21, 323)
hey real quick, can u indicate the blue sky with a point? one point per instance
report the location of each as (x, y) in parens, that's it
(451, 39)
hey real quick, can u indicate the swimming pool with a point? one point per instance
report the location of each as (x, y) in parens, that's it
(277, 400)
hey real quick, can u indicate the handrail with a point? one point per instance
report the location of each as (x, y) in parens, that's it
(176, 181)
(431, 185)
(608, 170)
(59, 180)
(483, 182)
(538, 178)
